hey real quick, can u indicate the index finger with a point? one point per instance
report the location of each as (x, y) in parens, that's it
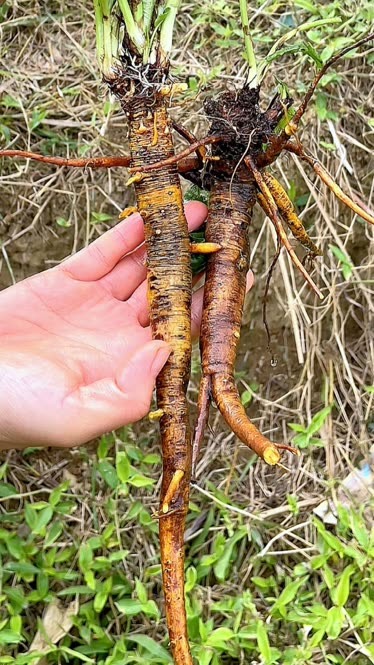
(100, 257)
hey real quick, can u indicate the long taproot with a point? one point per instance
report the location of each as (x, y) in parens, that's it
(230, 208)
(160, 203)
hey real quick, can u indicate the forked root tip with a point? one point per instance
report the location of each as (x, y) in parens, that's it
(289, 449)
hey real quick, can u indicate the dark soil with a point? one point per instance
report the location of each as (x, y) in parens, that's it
(247, 129)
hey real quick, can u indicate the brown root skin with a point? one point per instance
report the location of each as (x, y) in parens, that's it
(227, 224)
(80, 163)
(186, 165)
(169, 292)
(233, 195)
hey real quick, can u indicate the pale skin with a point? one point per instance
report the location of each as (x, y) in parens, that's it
(77, 358)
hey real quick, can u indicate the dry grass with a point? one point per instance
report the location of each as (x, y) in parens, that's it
(324, 350)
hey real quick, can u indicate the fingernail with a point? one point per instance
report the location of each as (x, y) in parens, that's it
(160, 359)
(140, 256)
(143, 257)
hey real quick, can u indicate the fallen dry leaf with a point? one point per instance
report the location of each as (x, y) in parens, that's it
(56, 623)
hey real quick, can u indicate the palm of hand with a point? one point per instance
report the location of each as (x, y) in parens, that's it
(77, 354)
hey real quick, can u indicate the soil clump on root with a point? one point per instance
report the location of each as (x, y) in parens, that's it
(237, 115)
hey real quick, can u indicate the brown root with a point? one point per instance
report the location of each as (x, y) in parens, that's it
(81, 163)
(229, 216)
(277, 141)
(191, 139)
(293, 125)
(185, 164)
(226, 396)
(169, 295)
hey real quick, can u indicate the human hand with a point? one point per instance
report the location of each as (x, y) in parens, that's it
(77, 358)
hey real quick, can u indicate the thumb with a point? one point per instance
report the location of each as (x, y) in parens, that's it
(137, 379)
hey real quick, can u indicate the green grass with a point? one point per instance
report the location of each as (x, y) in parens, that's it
(70, 546)
(266, 581)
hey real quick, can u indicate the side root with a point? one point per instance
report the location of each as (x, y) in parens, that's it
(292, 126)
(329, 181)
(80, 163)
(203, 406)
(289, 214)
(172, 490)
(191, 139)
(271, 210)
(185, 164)
(169, 161)
(205, 247)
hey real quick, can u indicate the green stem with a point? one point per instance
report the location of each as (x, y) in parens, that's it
(252, 79)
(107, 38)
(148, 26)
(148, 9)
(134, 32)
(108, 60)
(166, 31)
(99, 32)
